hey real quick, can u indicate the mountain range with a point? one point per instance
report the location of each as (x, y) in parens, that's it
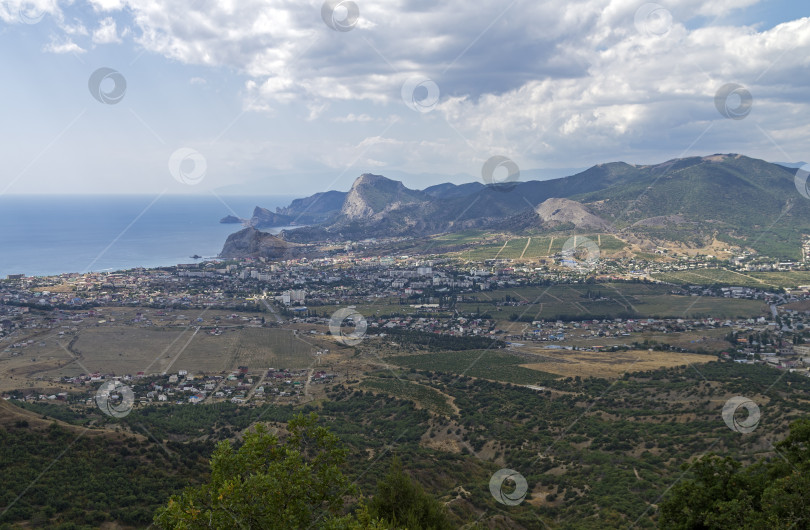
(730, 197)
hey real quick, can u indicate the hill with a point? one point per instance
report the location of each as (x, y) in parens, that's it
(252, 243)
(733, 198)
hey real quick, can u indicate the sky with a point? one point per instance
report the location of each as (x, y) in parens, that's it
(295, 97)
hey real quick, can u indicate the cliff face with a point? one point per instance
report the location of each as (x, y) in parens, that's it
(251, 243)
(320, 205)
(372, 196)
(264, 217)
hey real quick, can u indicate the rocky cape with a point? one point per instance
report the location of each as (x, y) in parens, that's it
(252, 243)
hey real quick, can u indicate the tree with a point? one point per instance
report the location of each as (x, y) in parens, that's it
(403, 502)
(268, 484)
(770, 493)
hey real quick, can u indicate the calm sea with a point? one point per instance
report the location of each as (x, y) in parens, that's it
(45, 235)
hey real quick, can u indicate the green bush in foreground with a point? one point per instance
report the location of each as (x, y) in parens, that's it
(403, 502)
(771, 493)
(268, 484)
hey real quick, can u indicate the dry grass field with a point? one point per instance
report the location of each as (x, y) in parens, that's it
(130, 350)
(125, 349)
(570, 363)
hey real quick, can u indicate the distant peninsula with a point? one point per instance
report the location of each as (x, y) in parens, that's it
(231, 220)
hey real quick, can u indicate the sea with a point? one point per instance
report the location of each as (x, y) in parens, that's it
(44, 235)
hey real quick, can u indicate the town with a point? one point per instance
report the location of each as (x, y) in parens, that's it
(398, 298)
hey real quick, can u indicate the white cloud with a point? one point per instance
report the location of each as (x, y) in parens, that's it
(353, 118)
(107, 5)
(106, 33)
(548, 83)
(27, 11)
(63, 46)
(643, 94)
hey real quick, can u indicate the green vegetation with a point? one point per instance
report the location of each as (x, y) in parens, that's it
(441, 341)
(595, 453)
(617, 300)
(486, 364)
(403, 502)
(427, 397)
(715, 277)
(298, 483)
(538, 246)
(773, 492)
(63, 478)
(269, 484)
(759, 280)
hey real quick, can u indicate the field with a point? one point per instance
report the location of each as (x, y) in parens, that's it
(130, 350)
(611, 301)
(709, 340)
(533, 247)
(761, 280)
(424, 396)
(485, 364)
(570, 363)
(123, 349)
(607, 300)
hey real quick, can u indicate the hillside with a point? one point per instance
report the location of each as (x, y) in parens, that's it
(252, 243)
(733, 198)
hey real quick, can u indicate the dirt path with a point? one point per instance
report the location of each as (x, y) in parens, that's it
(503, 247)
(526, 247)
(309, 379)
(257, 385)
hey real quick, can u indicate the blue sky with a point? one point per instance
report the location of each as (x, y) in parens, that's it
(268, 97)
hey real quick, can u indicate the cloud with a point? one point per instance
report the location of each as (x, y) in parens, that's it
(26, 11)
(106, 33)
(107, 5)
(643, 94)
(545, 83)
(63, 46)
(353, 118)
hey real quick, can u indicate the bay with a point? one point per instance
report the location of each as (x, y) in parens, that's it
(52, 234)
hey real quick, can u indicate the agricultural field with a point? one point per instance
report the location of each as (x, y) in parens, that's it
(604, 300)
(609, 365)
(701, 339)
(484, 364)
(760, 280)
(124, 349)
(609, 301)
(529, 248)
(465, 237)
